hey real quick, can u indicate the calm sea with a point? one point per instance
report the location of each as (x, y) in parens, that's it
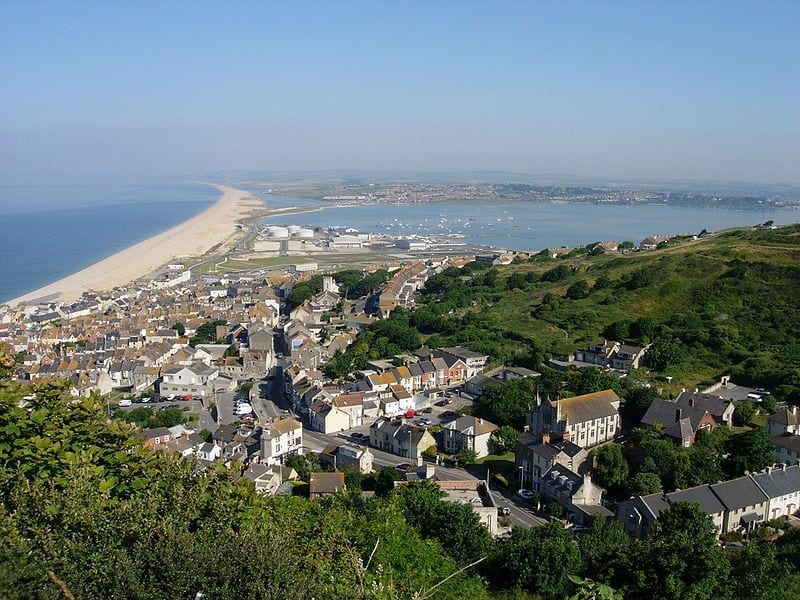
(526, 226)
(51, 230)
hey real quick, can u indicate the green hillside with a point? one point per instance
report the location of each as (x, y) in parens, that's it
(727, 303)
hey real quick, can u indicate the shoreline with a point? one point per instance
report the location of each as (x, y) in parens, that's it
(215, 226)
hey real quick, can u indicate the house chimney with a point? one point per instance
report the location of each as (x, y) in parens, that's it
(678, 414)
(565, 436)
(545, 437)
(526, 428)
(691, 400)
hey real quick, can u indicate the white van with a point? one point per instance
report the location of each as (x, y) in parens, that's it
(754, 397)
(125, 402)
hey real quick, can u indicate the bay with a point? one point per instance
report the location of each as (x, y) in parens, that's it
(524, 226)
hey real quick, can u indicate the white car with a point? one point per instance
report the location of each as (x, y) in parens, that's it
(125, 402)
(243, 409)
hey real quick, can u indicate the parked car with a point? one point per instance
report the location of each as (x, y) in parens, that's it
(403, 467)
(145, 400)
(440, 403)
(503, 510)
(425, 421)
(125, 402)
(428, 410)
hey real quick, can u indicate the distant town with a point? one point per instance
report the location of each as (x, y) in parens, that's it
(416, 192)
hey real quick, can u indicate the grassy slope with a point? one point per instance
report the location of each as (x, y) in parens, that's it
(693, 277)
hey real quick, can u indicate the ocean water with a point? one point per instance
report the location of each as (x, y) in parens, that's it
(50, 230)
(526, 226)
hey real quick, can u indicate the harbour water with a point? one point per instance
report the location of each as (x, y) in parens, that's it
(50, 230)
(522, 225)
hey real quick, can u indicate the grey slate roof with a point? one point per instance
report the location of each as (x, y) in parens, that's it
(779, 482)
(701, 495)
(738, 493)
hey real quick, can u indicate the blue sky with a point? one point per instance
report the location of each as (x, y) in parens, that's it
(694, 90)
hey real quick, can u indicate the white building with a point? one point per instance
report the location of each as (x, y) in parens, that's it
(280, 440)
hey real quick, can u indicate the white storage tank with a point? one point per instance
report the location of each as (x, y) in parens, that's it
(275, 231)
(305, 233)
(293, 229)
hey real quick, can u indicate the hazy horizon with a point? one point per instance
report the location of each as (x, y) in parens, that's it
(704, 92)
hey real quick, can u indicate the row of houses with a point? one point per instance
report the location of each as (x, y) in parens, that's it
(384, 389)
(736, 505)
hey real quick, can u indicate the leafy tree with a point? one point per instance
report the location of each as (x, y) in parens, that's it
(578, 290)
(611, 469)
(516, 281)
(180, 328)
(757, 572)
(206, 333)
(538, 560)
(556, 273)
(748, 451)
(645, 483)
(679, 561)
(588, 589)
(466, 456)
(664, 353)
(600, 545)
(744, 413)
(206, 435)
(637, 401)
(504, 439)
(384, 480)
(456, 526)
(592, 379)
(602, 283)
(506, 403)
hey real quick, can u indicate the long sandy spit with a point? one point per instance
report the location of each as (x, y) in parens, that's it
(214, 227)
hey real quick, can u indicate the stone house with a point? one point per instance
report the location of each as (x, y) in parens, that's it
(587, 420)
(468, 432)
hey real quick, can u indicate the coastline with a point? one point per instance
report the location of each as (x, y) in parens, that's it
(215, 226)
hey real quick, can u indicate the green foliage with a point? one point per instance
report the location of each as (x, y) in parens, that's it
(748, 451)
(206, 333)
(180, 328)
(592, 379)
(150, 418)
(384, 480)
(664, 353)
(578, 290)
(466, 456)
(506, 403)
(611, 469)
(557, 273)
(637, 401)
(504, 439)
(645, 483)
(744, 413)
(456, 526)
(538, 560)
